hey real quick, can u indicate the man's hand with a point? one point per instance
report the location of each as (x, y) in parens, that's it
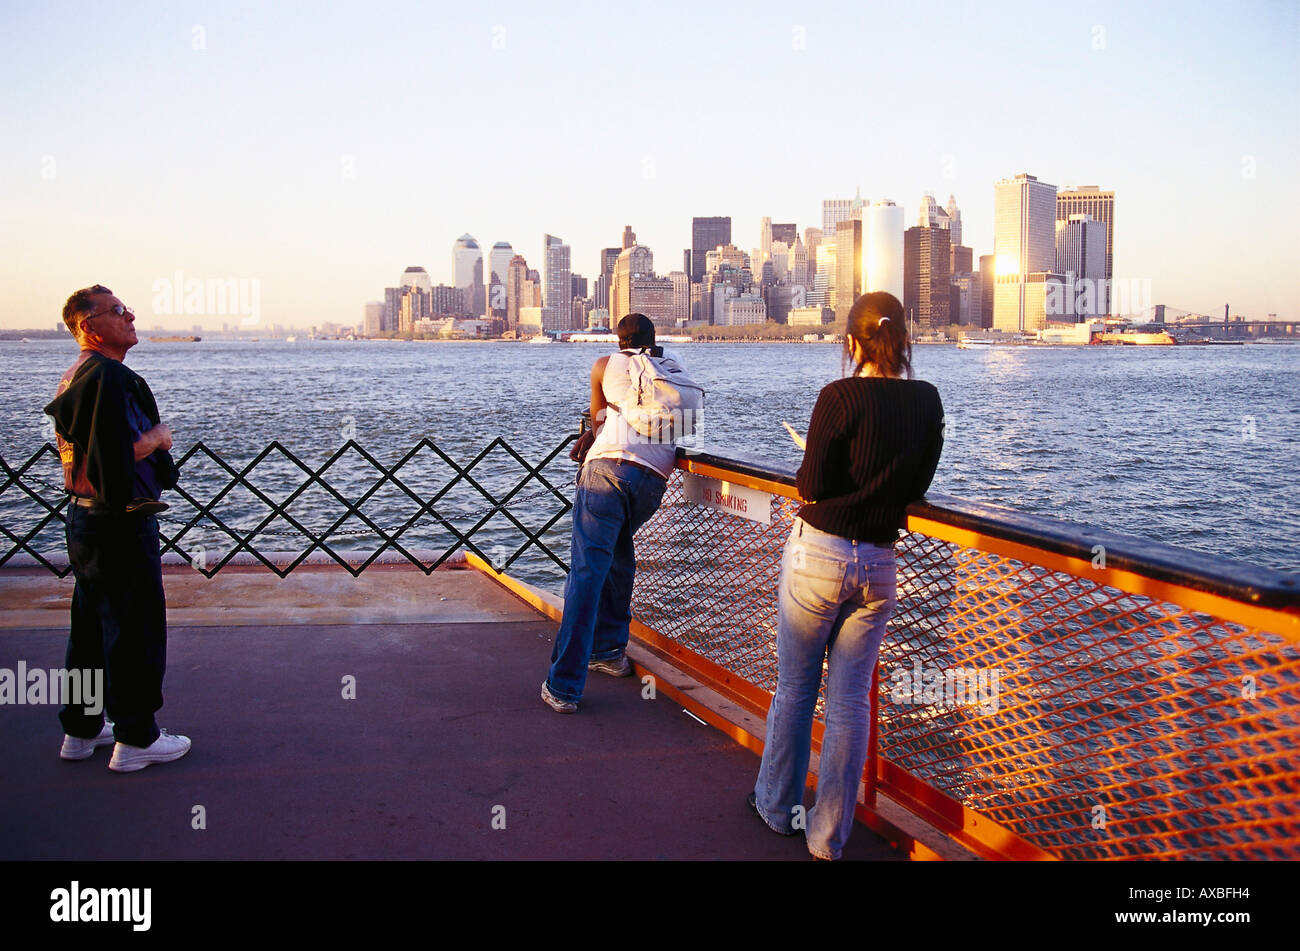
(160, 437)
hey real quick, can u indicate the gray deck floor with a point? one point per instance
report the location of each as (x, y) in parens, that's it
(446, 727)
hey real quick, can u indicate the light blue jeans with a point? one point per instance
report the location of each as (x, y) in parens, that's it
(836, 595)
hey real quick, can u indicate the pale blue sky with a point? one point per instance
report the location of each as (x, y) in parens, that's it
(129, 154)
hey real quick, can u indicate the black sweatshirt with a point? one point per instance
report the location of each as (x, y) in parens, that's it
(91, 413)
(873, 446)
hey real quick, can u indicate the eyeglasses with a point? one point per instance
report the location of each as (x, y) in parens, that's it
(119, 309)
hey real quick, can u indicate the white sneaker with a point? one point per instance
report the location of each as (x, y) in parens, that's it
(74, 747)
(168, 746)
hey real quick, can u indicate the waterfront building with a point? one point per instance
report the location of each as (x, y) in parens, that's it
(1081, 256)
(848, 268)
(530, 321)
(516, 277)
(372, 325)
(681, 296)
(467, 272)
(810, 316)
(654, 297)
(634, 262)
(557, 293)
(498, 266)
(1091, 200)
(706, 234)
(927, 285)
(743, 309)
(882, 267)
(987, 272)
(447, 301)
(1024, 245)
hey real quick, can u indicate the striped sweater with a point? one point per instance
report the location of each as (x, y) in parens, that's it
(873, 447)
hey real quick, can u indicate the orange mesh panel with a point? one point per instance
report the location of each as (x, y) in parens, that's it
(1091, 722)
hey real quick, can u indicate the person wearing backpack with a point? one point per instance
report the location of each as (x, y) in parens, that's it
(642, 402)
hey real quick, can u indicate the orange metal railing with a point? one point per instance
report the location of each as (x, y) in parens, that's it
(1045, 690)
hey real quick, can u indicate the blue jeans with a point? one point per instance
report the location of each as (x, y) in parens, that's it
(835, 595)
(613, 500)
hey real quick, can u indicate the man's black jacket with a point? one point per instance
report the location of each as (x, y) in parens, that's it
(92, 415)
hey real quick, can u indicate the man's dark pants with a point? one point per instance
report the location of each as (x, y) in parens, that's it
(119, 621)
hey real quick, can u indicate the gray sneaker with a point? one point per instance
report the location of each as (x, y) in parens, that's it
(618, 666)
(555, 703)
(168, 747)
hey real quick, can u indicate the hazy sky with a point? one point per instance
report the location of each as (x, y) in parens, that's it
(319, 149)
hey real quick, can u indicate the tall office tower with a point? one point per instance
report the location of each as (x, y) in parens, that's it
(988, 278)
(654, 297)
(1091, 200)
(681, 296)
(823, 284)
(848, 266)
(1024, 244)
(927, 285)
(372, 325)
(882, 248)
(448, 301)
(706, 234)
(417, 277)
(812, 237)
(629, 237)
(516, 278)
(392, 308)
(557, 293)
(764, 240)
(781, 261)
(930, 214)
(498, 263)
(834, 210)
(785, 232)
(467, 272)
(962, 259)
(578, 283)
(633, 263)
(799, 263)
(954, 220)
(608, 258)
(1081, 256)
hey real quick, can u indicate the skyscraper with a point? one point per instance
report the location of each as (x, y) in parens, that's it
(1024, 246)
(954, 221)
(1091, 200)
(633, 263)
(516, 278)
(608, 258)
(498, 264)
(1081, 257)
(882, 248)
(848, 271)
(927, 294)
(467, 273)
(834, 210)
(557, 294)
(706, 234)
(629, 237)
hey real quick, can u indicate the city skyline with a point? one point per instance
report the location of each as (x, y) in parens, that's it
(246, 144)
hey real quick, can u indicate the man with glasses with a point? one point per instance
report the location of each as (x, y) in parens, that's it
(114, 450)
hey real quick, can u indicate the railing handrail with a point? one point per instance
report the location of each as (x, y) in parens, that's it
(1229, 578)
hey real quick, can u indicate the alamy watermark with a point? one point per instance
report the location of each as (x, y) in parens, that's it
(73, 688)
(209, 297)
(947, 686)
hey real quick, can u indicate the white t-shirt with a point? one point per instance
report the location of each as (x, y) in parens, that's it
(615, 439)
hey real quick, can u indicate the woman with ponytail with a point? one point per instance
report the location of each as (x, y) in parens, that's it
(873, 445)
